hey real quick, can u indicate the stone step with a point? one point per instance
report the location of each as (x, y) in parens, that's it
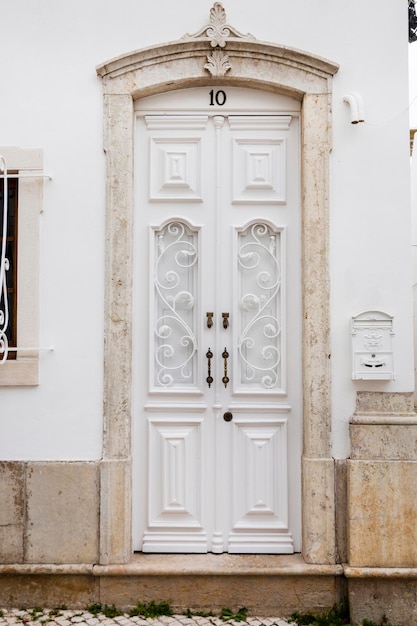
(265, 584)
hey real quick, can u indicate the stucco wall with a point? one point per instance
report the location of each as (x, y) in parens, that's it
(54, 101)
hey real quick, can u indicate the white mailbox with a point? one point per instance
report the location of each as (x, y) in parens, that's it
(372, 333)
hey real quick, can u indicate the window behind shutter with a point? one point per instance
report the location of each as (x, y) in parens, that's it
(11, 255)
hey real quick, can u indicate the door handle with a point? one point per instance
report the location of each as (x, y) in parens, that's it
(225, 356)
(209, 378)
(225, 317)
(209, 319)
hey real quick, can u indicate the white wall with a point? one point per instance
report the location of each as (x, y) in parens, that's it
(51, 98)
(412, 74)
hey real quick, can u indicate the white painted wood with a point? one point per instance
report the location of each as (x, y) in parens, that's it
(260, 502)
(217, 230)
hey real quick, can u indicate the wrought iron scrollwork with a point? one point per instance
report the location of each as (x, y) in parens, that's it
(412, 21)
(174, 279)
(4, 267)
(259, 341)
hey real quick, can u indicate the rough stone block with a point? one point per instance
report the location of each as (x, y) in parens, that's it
(62, 512)
(116, 512)
(384, 441)
(341, 510)
(373, 598)
(47, 591)
(382, 503)
(261, 595)
(319, 532)
(382, 403)
(12, 480)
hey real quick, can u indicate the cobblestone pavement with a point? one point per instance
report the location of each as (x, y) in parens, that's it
(55, 617)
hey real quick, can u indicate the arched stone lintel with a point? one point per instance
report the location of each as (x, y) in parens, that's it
(257, 65)
(275, 67)
(317, 69)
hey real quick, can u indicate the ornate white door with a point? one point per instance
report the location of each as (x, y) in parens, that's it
(217, 356)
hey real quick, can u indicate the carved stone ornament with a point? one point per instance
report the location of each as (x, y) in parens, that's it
(217, 63)
(218, 31)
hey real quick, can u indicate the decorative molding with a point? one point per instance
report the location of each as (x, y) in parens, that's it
(259, 170)
(175, 169)
(296, 71)
(218, 30)
(177, 122)
(218, 63)
(380, 407)
(260, 122)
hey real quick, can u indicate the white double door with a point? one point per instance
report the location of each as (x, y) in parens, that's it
(217, 365)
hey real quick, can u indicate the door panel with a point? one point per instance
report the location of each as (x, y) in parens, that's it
(216, 242)
(175, 501)
(259, 163)
(259, 458)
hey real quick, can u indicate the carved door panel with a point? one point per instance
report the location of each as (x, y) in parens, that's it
(216, 204)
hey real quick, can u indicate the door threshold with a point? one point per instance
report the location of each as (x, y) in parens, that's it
(142, 564)
(217, 564)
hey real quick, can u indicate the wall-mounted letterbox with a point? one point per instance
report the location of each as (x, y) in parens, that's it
(372, 333)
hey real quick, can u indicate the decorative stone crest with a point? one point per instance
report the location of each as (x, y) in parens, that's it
(217, 63)
(218, 31)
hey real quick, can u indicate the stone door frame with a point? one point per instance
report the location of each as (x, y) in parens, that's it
(217, 56)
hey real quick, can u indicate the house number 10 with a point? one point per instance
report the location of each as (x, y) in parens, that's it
(218, 97)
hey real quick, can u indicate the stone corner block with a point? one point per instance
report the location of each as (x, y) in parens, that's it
(319, 529)
(382, 402)
(115, 511)
(383, 600)
(382, 513)
(62, 512)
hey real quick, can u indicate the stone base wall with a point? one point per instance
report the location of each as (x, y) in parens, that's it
(382, 509)
(382, 482)
(266, 585)
(59, 531)
(49, 512)
(383, 594)
(28, 591)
